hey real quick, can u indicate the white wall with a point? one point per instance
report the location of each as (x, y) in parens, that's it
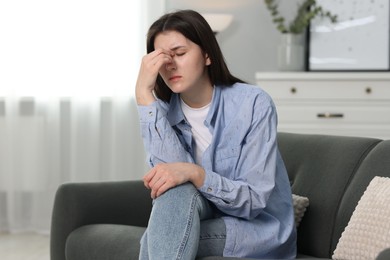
(250, 42)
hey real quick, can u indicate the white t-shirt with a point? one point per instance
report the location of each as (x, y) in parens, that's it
(200, 133)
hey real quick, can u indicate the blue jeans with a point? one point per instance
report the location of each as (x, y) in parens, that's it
(182, 226)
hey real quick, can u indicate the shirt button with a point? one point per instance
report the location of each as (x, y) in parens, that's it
(209, 189)
(150, 113)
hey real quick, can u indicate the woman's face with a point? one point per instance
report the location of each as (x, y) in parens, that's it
(187, 73)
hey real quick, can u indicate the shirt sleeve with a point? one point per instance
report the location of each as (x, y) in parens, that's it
(159, 138)
(246, 194)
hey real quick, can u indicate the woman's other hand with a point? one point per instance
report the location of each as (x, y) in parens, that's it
(150, 66)
(168, 175)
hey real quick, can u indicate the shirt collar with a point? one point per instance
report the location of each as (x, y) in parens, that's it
(175, 114)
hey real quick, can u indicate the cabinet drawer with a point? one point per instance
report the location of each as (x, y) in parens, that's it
(295, 89)
(334, 113)
(345, 103)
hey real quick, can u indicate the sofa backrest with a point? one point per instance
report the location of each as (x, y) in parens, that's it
(321, 168)
(377, 163)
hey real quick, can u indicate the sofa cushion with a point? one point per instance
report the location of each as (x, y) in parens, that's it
(300, 204)
(104, 241)
(367, 233)
(112, 241)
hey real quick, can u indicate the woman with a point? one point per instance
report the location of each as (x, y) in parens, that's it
(218, 181)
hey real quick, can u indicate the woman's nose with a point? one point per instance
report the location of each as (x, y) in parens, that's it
(171, 65)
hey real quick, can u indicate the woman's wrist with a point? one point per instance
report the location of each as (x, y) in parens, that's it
(144, 98)
(198, 177)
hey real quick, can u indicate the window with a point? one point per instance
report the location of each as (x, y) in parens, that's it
(70, 47)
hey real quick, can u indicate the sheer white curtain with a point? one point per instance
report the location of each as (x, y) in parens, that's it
(67, 112)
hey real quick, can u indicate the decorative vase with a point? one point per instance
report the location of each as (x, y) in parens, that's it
(291, 52)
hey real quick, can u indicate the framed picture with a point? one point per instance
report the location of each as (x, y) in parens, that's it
(358, 41)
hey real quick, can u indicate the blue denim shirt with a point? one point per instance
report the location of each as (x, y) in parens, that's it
(245, 176)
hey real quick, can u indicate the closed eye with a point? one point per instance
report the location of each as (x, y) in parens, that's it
(180, 54)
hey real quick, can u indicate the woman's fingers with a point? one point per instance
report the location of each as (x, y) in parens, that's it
(163, 188)
(156, 59)
(156, 182)
(148, 177)
(159, 187)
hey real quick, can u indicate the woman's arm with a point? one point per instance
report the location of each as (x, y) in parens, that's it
(173, 165)
(160, 139)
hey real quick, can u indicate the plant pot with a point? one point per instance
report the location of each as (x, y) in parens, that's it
(291, 52)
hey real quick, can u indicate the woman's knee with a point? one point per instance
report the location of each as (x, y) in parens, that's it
(183, 192)
(181, 197)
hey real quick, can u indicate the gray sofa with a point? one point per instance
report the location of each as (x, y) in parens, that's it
(106, 220)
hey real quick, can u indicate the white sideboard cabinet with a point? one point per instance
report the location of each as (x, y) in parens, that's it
(337, 103)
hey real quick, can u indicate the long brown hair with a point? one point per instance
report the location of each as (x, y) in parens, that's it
(194, 27)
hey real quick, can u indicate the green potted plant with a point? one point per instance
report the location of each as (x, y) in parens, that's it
(291, 51)
(307, 11)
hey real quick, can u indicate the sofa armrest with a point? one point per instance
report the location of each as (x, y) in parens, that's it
(79, 204)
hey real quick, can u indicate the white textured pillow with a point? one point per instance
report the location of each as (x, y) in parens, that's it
(368, 231)
(300, 204)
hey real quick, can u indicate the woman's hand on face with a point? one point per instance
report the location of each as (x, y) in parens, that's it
(168, 175)
(150, 66)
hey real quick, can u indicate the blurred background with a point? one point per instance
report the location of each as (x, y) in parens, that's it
(67, 77)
